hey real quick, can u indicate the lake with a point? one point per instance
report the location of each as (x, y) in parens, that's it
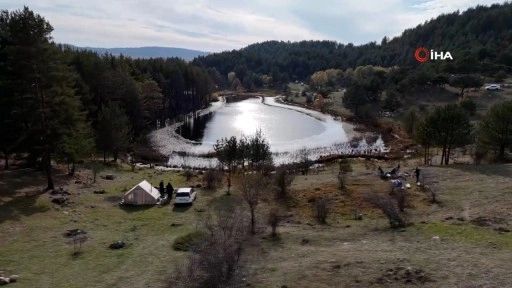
(285, 129)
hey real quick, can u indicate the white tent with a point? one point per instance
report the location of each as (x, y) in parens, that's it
(142, 194)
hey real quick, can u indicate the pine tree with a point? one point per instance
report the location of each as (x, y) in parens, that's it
(114, 130)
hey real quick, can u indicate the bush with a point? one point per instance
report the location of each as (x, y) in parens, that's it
(188, 174)
(321, 210)
(215, 262)
(500, 76)
(283, 179)
(469, 106)
(273, 220)
(212, 178)
(388, 207)
(188, 241)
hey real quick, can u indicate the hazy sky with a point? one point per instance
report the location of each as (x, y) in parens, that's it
(231, 24)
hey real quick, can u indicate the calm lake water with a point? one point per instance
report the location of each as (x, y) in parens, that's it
(285, 129)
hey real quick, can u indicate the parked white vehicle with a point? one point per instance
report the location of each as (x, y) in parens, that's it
(185, 196)
(493, 87)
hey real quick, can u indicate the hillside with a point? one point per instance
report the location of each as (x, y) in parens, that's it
(150, 52)
(480, 34)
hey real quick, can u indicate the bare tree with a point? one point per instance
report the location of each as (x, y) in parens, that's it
(345, 168)
(273, 220)
(429, 186)
(215, 262)
(212, 178)
(322, 209)
(388, 207)
(251, 187)
(302, 157)
(282, 180)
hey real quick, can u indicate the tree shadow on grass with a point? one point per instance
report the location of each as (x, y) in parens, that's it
(20, 206)
(503, 170)
(181, 207)
(135, 208)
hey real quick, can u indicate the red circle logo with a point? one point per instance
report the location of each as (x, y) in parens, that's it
(421, 54)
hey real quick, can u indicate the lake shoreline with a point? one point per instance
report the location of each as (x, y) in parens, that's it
(179, 150)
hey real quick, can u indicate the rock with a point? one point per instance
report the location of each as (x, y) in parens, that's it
(117, 245)
(502, 229)
(60, 201)
(199, 185)
(284, 286)
(287, 215)
(4, 281)
(347, 226)
(436, 238)
(448, 218)
(304, 241)
(109, 177)
(99, 192)
(176, 224)
(337, 266)
(14, 278)
(461, 219)
(74, 232)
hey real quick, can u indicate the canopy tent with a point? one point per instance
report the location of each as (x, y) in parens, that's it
(142, 194)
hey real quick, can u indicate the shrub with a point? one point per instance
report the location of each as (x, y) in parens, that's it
(273, 220)
(188, 241)
(283, 179)
(388, 207)
(212, 178)
(321, 210)
(469, 106)
(215, 262)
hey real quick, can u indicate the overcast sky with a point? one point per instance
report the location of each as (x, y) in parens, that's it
(231, 24)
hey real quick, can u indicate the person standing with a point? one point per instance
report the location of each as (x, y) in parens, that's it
(417, 174)
(169, 189)
(161, 188)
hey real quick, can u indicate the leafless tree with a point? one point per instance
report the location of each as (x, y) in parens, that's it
(216, 261)
(388, 206)
(282, 180)
(251, 186)
(429, 185)
(212, 178)
(273, 220)
(322, 209)
(302, 157)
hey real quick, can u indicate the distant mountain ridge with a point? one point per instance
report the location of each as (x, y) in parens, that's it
(149, 52)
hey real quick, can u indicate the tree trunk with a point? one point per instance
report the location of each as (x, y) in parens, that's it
(48, 168)
(425, 155)
(105, 156)
(6, 164)
(501, 154)
(115, 154)
(447, 160)
(442, 154)
(229, 181)
(252, 221)
(72, 172)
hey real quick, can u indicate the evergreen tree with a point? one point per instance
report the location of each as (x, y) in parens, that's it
(495, 129)
(114, 130)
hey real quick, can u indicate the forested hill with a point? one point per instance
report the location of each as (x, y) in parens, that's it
(149, 52)
(479, 35)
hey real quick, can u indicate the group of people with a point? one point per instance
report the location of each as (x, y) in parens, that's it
(395, 170)
(166, 190)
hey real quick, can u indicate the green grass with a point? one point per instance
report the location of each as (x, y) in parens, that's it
(187, 241)
(33, 246)
(467, 233)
